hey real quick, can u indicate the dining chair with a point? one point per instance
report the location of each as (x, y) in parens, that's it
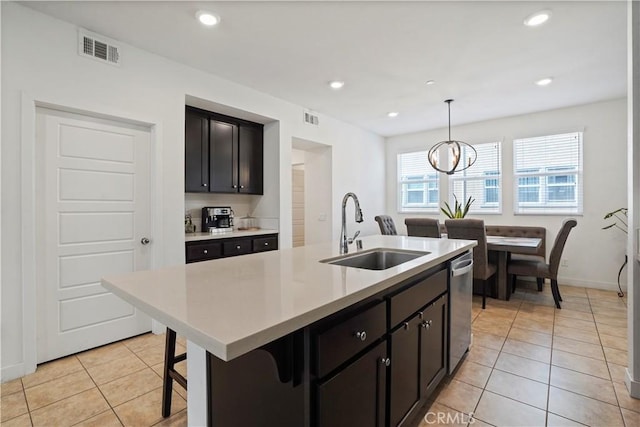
(473, 229)
(540, 269)
(387, 226)
(422, 227)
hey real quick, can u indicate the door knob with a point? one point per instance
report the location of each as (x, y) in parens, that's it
(145, 241)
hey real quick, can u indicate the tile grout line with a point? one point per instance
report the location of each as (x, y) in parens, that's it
(615, 393)
(24, 392)
(101, 393)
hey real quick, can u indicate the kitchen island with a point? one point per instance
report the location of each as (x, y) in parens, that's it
(279, 315)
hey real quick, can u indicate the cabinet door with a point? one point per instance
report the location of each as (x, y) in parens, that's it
(356, 395)
(433, 345)
(404, 389)
(223, 146)
(196, 152)
(250, 160)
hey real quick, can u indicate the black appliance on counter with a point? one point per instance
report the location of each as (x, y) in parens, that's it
(216, 218)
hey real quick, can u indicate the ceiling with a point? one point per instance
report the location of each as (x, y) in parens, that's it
(479, 53)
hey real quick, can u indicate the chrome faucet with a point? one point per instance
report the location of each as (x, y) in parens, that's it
(344, 241)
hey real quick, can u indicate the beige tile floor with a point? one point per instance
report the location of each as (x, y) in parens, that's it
(118, 384)
(530, 365)
(534, 365)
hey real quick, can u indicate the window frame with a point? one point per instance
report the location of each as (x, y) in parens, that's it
(545, 205)
(480, 207)
(429, 179)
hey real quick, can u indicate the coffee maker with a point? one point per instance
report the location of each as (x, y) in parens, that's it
(217, 219)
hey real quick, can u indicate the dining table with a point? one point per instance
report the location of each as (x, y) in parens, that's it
(504, 245)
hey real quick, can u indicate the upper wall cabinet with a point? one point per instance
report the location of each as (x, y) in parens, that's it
(222, 154)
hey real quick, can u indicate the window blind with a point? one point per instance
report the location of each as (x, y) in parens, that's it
(482, 181)
(418, 189)
(548, 173)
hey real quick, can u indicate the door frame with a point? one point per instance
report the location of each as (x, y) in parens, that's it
(28, 152)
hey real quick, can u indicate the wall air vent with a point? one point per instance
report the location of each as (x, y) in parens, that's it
(311, 118)
(98, 47)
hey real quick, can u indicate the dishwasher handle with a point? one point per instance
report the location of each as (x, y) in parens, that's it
(461, 267)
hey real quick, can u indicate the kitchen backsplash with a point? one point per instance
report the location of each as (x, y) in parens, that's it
(240, 203)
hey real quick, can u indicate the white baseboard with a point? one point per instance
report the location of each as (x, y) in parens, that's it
(632, 386)
(606, 286)
(12, 372)
(157, 327)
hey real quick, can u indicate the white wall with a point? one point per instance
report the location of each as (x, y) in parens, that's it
(594, 255)
(150, 89)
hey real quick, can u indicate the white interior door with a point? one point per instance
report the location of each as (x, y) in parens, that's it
(93, 211)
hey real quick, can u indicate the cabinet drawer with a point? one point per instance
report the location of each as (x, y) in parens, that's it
(407, 302)
(203, 251)
(262, 244)
(337, 344)
(236, 247)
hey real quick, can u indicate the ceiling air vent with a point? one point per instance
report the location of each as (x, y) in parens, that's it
(98, 47)
(311, 118)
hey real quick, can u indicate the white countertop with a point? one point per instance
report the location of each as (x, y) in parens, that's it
(234, 305)
(193, 237)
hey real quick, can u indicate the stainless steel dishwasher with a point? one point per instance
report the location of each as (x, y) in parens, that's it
(460, 297)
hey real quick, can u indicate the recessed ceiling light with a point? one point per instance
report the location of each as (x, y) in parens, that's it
(207, 18)
(431, 82)
(336, 84)
(392, 114)
(537, 18)
(544, 82)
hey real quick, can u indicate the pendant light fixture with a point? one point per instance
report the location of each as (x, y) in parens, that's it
(455, 152)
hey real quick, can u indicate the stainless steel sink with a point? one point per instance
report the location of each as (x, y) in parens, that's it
(376, 259)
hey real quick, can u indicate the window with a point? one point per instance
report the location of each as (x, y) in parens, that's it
(417, 183)
(482, 181)
(548, 174)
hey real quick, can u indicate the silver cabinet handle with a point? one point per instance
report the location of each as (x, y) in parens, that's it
(205, 251)
(420, 314)
(361, 335)
(238, 247)
(204, 185)
(386, 361)
(242, 186)
(266, 244)
(145, 241)
(234, 186)
(405, 325)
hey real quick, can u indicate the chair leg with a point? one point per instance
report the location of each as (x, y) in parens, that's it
(555, 292)
(513, 282)
(558, 291)
(167, 381)
(484, 294)
(540, 283)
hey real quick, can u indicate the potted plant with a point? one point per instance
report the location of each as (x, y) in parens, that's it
(619, 217)
(459, 210)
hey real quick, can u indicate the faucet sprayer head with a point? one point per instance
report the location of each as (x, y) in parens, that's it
(359, 217)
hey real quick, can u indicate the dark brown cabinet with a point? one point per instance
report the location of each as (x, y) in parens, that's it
(196, 155)
(433, 345)
(222, 154)
(405, 370)
(204, 250)
(356, 395)
(418, 345)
